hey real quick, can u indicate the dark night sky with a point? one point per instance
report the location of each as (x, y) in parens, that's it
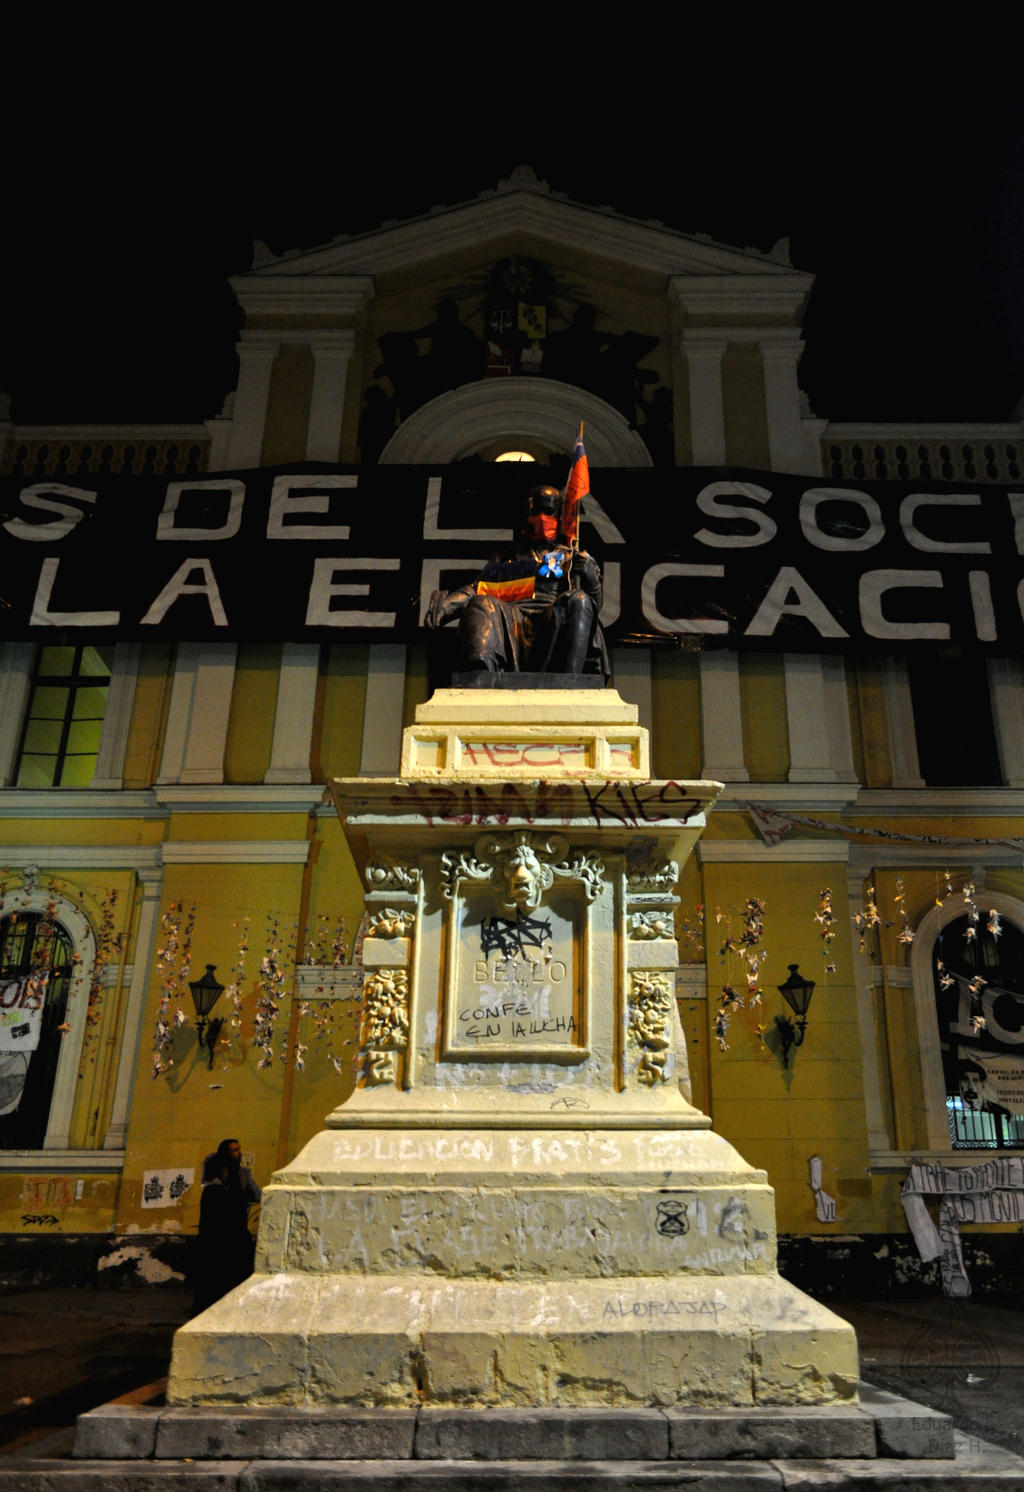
(908, 209)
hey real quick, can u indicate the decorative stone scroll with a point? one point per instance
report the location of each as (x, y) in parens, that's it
(385, 874)
(650, 1026)
(643, 878)
(390, 923)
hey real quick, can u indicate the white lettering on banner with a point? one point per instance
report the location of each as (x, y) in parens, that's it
(180, 585)
(1016, 502)
(611, 602)
(595, 515)
(708, 501)
(873, 586)
(806, 603)
(317, 500)
(166, 527)
(649, 598)
(917, 540)
(42, 616)
(41, 496)
(433, 571)
(319, 612)
(981, 605)
(1009, 1004)
(809, 503)
(433, 530)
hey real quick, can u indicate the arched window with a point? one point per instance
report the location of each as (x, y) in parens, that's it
(47, 955)
(978, 973)
(36, 966)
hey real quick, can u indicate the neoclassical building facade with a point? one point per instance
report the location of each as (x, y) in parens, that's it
(163, 764)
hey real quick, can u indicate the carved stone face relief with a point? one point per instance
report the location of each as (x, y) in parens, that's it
(521, 867)
(526, 879)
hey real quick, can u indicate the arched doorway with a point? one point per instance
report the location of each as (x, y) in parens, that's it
(978, 974)
(47, 952)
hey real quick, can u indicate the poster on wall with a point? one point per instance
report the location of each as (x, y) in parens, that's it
(692, 557)
(990, 1082)
(167, 1187)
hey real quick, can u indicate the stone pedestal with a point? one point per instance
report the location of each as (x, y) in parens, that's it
(518, 1205)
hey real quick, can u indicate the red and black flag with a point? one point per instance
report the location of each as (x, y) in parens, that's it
(576, 489)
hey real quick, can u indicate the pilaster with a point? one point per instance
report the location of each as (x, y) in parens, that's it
(721, 719)
(332, 354)
(293, 715)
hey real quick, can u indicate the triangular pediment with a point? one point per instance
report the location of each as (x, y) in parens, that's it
(526, 208)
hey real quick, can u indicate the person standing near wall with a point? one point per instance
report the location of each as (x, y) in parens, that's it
(225, 1247)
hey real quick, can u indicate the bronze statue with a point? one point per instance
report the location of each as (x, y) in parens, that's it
(534, 609)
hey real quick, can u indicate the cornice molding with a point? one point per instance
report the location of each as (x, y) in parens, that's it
(288, 294)
(255, 797)
(142, 858)
(531, 213)
(1009, 430)
(865, 858)
(73, 803)
(941, 802)
(807, 797)
(61, 1160)
(236, 852)
(806, 851)
(783, 292)
(107, 434)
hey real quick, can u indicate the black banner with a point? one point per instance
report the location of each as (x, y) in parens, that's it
(691, 557)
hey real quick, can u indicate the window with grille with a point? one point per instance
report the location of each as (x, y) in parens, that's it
(64, 722)
(979, 992)
(36, 963)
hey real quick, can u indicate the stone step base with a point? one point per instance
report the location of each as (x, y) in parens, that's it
(879, 1425)
(977, 1467)
(304, 1340)
(883, 1442)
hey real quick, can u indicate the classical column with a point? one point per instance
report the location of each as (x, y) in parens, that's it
(384, 715)
(332, 353)
(866, 980)
(293, 717)
(117, 717)
(197, 720)
(780, 349)
(899, 715)
(704, 352)
(721, 721)
(818, 719)
(15, 684)
(131, 1030)
(256, 354)
(1006, 686)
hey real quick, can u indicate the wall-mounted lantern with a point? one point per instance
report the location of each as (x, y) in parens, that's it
(797, 993)
(205, 994)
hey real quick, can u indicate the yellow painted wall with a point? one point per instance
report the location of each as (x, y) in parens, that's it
(251, 721)
(763, 712)
(145, 734)
(181, 1115)
(675, 703)
(341, 703)
(779, 1116)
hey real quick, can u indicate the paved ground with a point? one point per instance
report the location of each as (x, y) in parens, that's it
(65, 1351)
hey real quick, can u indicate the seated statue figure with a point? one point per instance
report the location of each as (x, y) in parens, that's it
(533, 609)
